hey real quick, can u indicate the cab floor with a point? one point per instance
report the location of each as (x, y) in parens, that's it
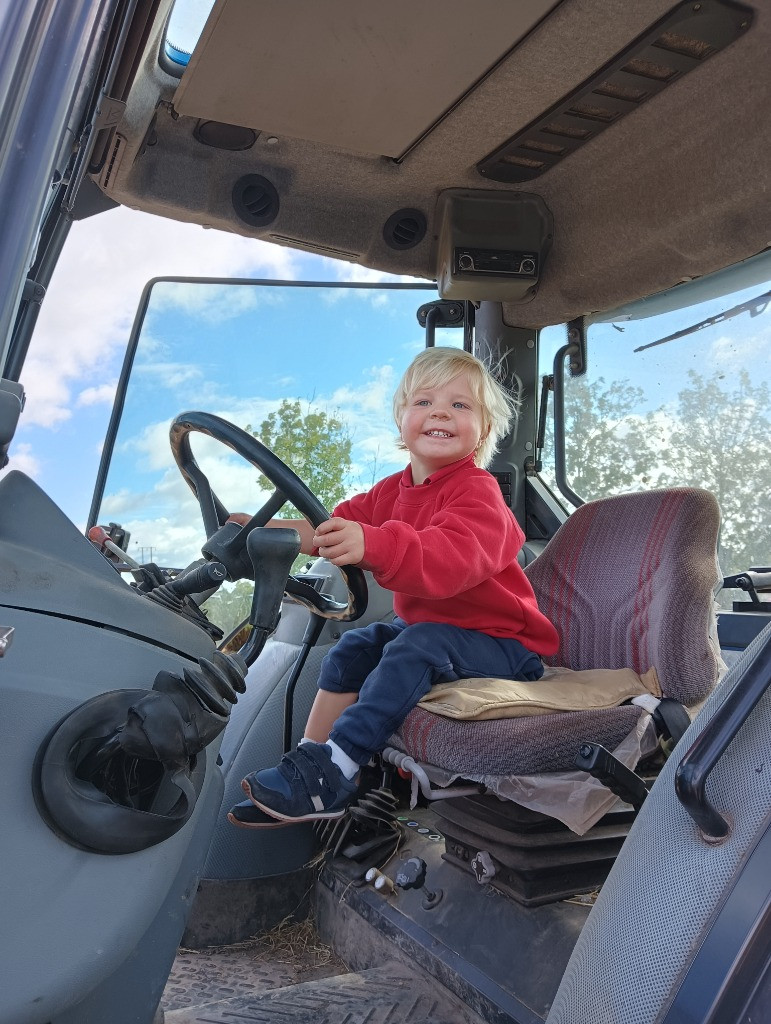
(289, 955)
(389, 994)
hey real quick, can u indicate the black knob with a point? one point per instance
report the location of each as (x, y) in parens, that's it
(411, 874)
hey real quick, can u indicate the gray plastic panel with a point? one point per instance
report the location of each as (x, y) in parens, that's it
(47, 565)
(71, 918)
(132, 992)
(253, 740)
(657, 903)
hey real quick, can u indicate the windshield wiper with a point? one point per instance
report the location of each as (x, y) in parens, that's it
(754, 306)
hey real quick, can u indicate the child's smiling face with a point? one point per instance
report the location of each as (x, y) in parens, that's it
(441, 425)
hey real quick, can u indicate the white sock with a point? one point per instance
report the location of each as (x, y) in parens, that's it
(346, 764)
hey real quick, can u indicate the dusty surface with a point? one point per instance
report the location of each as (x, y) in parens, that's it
(383, 995)
(289, 955)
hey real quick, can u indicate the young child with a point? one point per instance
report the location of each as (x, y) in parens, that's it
(440, 536)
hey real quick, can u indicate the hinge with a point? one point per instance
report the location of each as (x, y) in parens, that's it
(108, 113)
(577, 336)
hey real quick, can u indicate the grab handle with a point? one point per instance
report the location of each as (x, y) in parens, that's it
(693, 770)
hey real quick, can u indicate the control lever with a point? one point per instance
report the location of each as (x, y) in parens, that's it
(198, 580)
(607, 769)
(175, 594)
(411, 874)
(271, 551)
(102, 539)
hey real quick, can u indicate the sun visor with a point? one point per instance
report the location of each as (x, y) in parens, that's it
(386, 79)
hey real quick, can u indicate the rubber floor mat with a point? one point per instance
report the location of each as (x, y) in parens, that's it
(390, 994)
(248, 969)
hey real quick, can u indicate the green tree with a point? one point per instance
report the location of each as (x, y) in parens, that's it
(316, 445)
(715, 437)
(609, 446)
(720, 442)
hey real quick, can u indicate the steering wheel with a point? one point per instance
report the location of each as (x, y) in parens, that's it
(229, 539)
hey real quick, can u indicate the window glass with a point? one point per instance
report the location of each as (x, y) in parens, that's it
(309, 370)
(184, 29)
(692, 410)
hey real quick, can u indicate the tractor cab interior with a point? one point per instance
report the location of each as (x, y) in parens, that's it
(577, 193)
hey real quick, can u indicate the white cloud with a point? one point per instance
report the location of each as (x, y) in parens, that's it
(87, 314)
(21, 458)
(169, 374)
(214, 303)
(101, 394)
(167, 517)
(355, 272)
(373, 397)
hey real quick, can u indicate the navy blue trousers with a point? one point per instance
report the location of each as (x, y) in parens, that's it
(392, 666)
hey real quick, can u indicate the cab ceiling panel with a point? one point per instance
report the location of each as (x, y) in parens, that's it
(387, 76)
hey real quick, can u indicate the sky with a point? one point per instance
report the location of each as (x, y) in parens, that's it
(237, 351)
(85, 321)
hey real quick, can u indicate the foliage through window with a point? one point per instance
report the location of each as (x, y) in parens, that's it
(695, 410)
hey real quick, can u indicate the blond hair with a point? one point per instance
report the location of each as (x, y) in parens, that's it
(436, 367)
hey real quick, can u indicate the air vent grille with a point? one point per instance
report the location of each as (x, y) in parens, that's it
(671, 48)
(255, 200)
(325, 250)
(404, 229)
(114, 161)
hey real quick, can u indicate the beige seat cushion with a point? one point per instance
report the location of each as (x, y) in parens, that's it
(559, 689)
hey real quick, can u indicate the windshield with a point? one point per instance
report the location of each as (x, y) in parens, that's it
(310, 370)
(692, 410)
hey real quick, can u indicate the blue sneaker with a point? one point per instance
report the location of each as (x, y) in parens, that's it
(246, 815)
(305, 786)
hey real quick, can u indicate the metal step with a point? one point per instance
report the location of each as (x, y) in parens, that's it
(389, 994)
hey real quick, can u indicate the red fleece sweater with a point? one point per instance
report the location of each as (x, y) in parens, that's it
(448, 550)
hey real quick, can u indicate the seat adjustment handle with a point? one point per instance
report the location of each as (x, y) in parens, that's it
(607, 769)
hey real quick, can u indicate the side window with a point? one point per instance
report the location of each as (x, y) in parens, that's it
(678, 399)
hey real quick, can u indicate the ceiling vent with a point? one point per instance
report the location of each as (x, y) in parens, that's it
(255, 200)
(324, 250)
(404, 229)
(671, 48)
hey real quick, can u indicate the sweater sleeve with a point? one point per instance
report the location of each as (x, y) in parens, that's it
(359, 508)
(474, 532)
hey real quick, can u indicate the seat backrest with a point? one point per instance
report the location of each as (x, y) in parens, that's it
(629, 582)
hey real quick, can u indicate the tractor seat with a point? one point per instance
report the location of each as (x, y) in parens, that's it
(629, 582)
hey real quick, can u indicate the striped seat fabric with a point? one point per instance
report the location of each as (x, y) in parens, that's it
(629, 582)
